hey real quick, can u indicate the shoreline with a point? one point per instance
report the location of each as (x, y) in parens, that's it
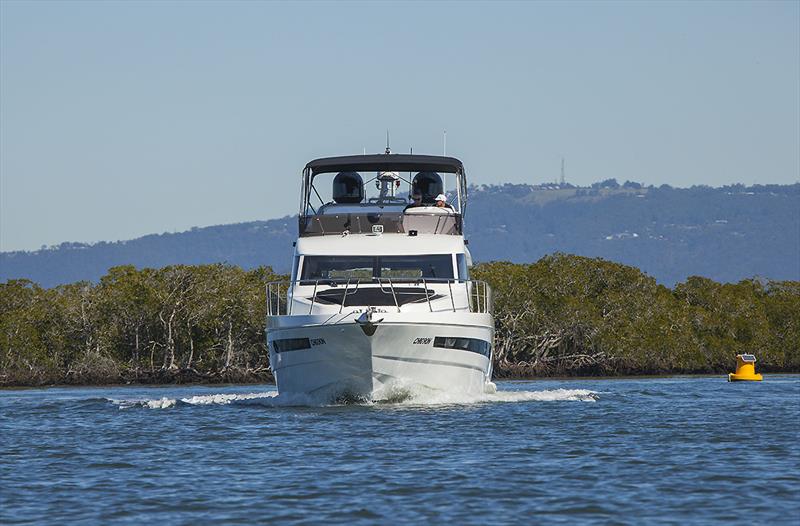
(583, 318)
(267, 379)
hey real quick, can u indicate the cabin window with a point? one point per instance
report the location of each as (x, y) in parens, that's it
(465, 344)
(338, 267)
(415, 267)
(463, 270)
(290, 344)
(295, 267)
(434, 266)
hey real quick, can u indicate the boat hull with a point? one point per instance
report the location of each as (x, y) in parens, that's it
(337, 358)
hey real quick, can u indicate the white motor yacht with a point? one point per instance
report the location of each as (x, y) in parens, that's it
(380, 296)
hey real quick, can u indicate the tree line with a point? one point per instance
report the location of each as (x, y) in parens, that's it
(567, 315)
(563, 315)
(178, 323)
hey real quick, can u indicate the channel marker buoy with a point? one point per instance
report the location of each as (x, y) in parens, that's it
(745, 369)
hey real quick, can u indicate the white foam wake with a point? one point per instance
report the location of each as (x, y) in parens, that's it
(398, 395)
(420, 395)
(553, 395)
(165, 403)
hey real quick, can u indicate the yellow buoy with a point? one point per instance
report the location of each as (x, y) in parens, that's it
(745, 369)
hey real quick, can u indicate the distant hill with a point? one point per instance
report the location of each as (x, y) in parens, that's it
(726, 234)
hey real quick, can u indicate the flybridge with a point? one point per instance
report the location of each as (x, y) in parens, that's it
(398, 196)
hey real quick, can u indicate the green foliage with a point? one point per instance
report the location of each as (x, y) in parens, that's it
(135, 324)
(561, 315)
(570, 314)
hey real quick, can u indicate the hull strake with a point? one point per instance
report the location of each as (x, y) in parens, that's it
(339, 359)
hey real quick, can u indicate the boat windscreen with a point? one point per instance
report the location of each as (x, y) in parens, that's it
(434, 266)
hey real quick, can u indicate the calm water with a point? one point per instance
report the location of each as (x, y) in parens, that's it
(668, 450)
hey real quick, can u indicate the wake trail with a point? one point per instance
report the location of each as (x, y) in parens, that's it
(396, 396)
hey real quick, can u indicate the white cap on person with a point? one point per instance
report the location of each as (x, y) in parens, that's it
(441, 197)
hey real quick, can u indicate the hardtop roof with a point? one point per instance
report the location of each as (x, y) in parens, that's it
(388, 162)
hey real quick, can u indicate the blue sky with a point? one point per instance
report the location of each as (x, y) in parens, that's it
(119, 119)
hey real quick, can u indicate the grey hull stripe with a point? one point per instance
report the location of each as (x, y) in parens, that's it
(432, 362)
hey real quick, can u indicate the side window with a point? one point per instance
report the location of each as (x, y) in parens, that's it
(463, 271)
(295, 268)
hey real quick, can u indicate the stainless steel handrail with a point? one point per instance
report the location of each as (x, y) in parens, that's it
(344, 296)
(391, 287)
(452, 299)
(478, 293)
(425, 286)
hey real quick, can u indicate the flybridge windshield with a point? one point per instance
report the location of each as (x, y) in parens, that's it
(438, 266)
(372, 189)
(381, 180)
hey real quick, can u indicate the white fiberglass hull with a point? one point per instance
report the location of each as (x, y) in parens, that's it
(327, 357)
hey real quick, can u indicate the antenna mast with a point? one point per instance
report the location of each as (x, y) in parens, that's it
(563, 178)
(386, 182)
(444, 152)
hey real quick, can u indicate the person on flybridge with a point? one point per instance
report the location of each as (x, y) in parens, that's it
(441, 202)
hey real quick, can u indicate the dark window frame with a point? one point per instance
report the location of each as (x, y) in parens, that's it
(475, 345)
(445, 263)
(291, 344)
(463, 268)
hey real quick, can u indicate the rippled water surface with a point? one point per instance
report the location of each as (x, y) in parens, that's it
(667, 450)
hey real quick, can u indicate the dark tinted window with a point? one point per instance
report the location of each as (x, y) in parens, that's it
(414, 267)
(463, 271)
(295, 266)
(366, 267)
(338, 267)
(290, 344)
(465, 344)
